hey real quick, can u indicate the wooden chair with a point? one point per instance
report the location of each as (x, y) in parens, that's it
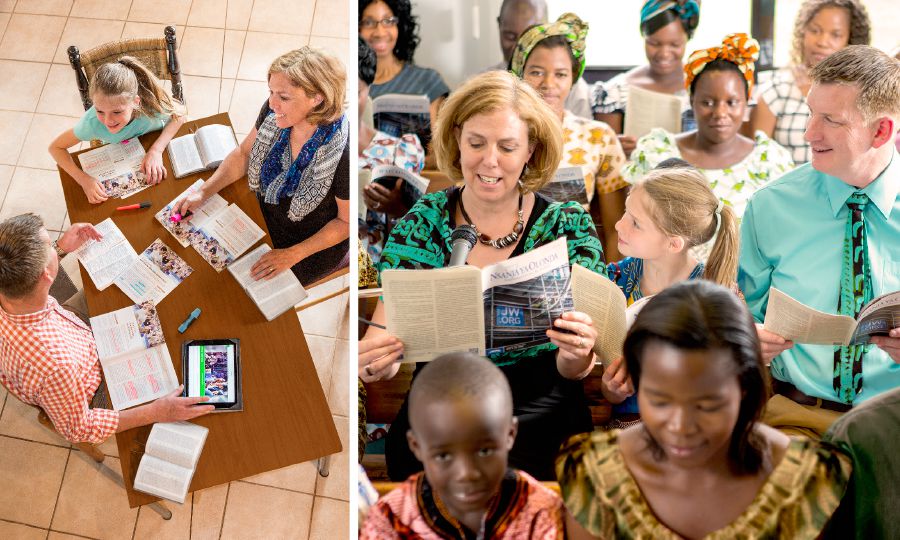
(158, 54)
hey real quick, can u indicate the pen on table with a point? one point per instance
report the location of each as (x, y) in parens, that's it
(178, 217)
(145, 204)
(187, 322)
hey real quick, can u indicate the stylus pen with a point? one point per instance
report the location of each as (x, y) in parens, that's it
(187, 322)
(372, 323)
(145, 204)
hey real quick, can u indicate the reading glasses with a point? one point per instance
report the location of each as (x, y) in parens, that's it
(370, 24)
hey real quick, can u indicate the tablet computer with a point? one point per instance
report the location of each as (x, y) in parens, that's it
(212, 368)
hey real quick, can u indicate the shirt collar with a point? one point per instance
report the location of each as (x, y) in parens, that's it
(883, 192)
(28, 319)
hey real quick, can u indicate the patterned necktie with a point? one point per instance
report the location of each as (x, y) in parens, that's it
(856, 292)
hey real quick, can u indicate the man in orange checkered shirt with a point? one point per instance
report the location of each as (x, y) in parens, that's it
(48, 357)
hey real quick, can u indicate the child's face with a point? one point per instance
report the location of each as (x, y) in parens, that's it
(463, 446)
(290, 103)
(638, 236)
(689, 402)
(115, 112)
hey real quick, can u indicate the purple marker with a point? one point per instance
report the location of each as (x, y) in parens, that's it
(175, 218)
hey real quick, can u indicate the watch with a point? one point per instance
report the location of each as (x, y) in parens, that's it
(60, 252)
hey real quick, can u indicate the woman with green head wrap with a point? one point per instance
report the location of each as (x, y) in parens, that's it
(550, 58)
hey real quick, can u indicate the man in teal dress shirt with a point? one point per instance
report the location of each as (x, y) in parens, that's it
(792, 237)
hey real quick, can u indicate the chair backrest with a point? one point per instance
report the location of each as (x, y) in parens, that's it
(158, 54)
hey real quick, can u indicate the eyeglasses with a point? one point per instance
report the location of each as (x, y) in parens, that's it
(387, 22)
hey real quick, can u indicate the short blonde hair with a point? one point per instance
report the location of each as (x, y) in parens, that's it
(876, 74)
(316, 73)
(493, 91)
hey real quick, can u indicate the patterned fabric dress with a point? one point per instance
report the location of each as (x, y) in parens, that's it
(523, 508)
(795, 502)
(550, 408)
(788, 104)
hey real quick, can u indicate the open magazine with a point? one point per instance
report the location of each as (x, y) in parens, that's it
(181, 228)
(117, 167)
(793, 320)
(133, 354)
(272, 296)
(567, 185)
(396, 114)
(414, 186)
(202, 150)
(170, 459)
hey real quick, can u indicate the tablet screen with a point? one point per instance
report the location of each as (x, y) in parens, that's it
(211, 372)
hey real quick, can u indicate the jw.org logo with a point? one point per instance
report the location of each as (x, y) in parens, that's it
(509, 316)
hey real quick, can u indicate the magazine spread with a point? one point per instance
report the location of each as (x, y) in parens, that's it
(117, 167)
(136, 364)
(396, 114)
(153, 275)
(170, 459)
(793, 320)
(181, 228)
(272, 296)
(202, 150)
(108, 257)
(568, 184)
(646, 109)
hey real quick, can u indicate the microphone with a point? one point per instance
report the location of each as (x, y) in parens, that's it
(462, 240)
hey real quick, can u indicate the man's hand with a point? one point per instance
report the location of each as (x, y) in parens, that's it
(890, 344)
(174, 408)
(772, 344)
(78, 234)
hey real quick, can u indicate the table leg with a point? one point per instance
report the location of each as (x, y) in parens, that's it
(322, 465)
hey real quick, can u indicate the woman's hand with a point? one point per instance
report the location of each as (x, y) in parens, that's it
(273, 263)
(772, 344)
(616, 384)
(78, 234)
(93, 189)
(189, 203)
(628, 142)
(378, 357)
(388, 201)
(152, 167)
(576, 349)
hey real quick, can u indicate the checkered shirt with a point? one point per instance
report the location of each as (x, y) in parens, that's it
(788, 105)
(49, 359)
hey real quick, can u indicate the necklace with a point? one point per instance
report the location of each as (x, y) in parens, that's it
(499, 243)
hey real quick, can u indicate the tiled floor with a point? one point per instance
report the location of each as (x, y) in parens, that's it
(47, 489)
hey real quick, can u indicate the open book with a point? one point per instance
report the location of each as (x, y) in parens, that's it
(133, 354)
(793, 320)
(396, 114)
(170, 459)
(200, 151)
(117, 167)
(567, 185)
(605, 303)
(646, 110)
(273, 296)
(108, 257)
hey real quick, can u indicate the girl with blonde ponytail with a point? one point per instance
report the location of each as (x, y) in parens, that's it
(129, 101)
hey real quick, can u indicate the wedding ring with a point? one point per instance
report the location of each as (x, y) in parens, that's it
(368, 370)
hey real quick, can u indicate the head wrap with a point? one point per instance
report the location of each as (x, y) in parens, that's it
(687, 10)
(739, 49)
(568, 25)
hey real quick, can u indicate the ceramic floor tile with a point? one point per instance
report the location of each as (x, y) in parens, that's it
(21, 83)
(225, 93)
(336, 46)
(300, 477)
(6, 6)
(201, 95)
(208, 510)
(323, 318)
(160, 11)
(31, 37)
(200, 52)
(231, 57)
(322, 351)
(105, 513)
(4, 20)
(344, 327)
(268, 512)
(338, 394)
(208, 13)
(15, 127)
(330, 519)
(44, 129)
(20, 420)
(101, 9)
(6, 174)
(237, 17)
(280, 16)
(54, 535)
(331, 19)
(335, 485)
(85, 34)
(45, 7)
(38, 191)
(31, 472)
(153, 527)
(154, 30)
(21, 532)
(60, 95)
(246, 99)
(260, 49)
(109, 446)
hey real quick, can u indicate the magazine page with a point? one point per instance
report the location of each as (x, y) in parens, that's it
(225, 236)
(163, 479)
(798, 322)
(568, 184)
(214, 142)
(435, 311)
(272, 296)
(154, 274)
(117, 167)
(185, 156)
(130, 329)
(877, 318)
(179, 443)
(524, 295)
(105, 259)
(181, 229)
(397, 114)
(365, 177)
(646, 110)
(139, 377)
(414, 186)
(604, 302)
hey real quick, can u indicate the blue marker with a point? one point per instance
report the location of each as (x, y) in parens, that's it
(187, 322)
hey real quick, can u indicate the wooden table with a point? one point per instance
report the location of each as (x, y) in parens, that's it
(286, 419)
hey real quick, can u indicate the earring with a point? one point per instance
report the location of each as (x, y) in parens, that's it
(521, 176)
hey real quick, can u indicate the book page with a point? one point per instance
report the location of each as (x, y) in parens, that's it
(214, 142)
(179, 443)
(365, 178)
(181, 229)
(225, 236)
(125, 330)
(604, 302)
(646, 110)
(798, 322)
(185, 156)
(435, 311)
(139, 377)
(105, 259)
(272, 296)
(568, 184)
(163, 479)
(153, 275)
(117, 167)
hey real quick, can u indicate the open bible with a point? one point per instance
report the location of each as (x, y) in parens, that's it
(202, 150)
(272, 296)
(170, 459)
